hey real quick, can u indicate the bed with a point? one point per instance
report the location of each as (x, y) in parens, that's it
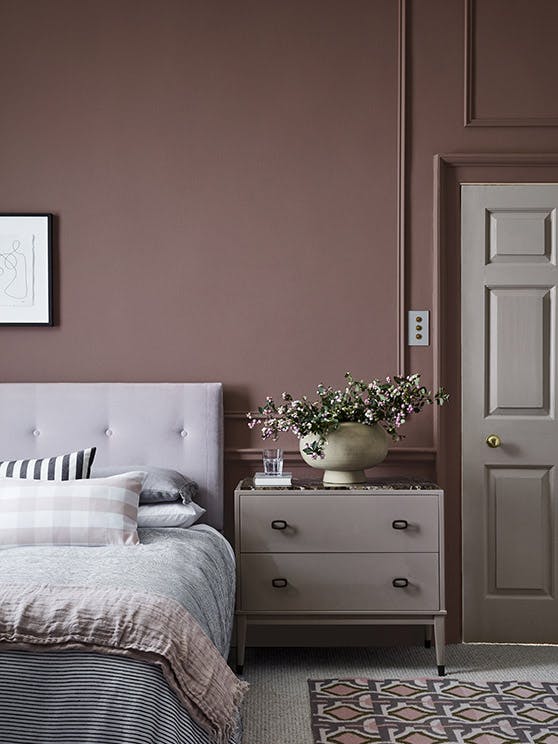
(76, 691)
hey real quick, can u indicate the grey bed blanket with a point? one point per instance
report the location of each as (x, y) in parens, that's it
(191, 567)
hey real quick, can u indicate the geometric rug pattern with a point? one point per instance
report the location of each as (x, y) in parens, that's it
(433, 711)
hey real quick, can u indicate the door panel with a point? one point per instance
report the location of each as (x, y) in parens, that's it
(520, 236)
(520, 557)
(510, 524)
(518, 330)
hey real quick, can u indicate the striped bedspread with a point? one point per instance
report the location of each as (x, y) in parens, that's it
(51, 697)
(70, 697)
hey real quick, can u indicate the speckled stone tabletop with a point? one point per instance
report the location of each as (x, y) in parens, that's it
(372, 484)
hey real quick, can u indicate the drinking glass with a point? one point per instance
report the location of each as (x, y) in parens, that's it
(273, 461)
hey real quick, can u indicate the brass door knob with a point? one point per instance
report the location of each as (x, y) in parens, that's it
(493, 440)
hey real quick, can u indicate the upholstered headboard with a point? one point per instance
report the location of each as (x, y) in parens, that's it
(174, 425)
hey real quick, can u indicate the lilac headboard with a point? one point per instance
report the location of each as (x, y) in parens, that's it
(175, 425)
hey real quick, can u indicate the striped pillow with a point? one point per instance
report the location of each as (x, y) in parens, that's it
(73, 466)
(100, 511)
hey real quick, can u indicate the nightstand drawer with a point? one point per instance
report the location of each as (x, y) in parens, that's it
(347, 582)
(338, 522)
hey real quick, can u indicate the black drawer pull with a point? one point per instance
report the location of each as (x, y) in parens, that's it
(278, 524)
(279, 583)
(400, 583)
(400, 524)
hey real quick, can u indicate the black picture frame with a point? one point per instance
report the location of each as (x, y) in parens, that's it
(26, 269)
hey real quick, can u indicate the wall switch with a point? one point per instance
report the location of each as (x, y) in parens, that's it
(418, 328)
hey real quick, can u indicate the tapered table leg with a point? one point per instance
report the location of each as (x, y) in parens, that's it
(241, 630)
(427, 636)
(440, 643)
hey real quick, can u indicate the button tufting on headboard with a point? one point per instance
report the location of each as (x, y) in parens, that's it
(147, 427)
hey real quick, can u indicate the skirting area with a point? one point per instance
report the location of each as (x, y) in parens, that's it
(277, 709)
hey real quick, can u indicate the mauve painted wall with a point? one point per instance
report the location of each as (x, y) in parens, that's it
(223, 176)
(223, 179)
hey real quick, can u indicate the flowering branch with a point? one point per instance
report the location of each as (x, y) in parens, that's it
(388, 403)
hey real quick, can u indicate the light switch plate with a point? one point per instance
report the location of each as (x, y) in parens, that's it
(418, 327)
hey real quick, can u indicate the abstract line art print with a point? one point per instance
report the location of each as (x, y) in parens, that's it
(25, 269)
(17, 254)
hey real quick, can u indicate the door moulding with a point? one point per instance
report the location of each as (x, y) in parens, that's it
(486, 168)
(444, 162)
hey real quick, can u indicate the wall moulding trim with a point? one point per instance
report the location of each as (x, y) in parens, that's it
(401, 208)
(469, 64)
(292, 456)
(401, 179)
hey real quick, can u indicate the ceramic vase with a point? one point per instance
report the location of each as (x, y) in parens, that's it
(348, 451)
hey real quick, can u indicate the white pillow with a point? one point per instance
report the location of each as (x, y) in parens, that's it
(169, 515)
(100, 511)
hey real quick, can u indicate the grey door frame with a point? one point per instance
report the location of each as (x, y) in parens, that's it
(446, 318)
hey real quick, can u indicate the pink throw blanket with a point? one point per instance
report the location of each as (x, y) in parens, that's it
(148, 627)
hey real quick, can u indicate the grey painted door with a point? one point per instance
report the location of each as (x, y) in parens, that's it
(510, 520)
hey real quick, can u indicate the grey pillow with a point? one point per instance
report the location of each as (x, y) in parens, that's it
(169, 515)
(160, 484)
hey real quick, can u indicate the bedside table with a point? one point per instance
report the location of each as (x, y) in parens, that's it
(360, 555)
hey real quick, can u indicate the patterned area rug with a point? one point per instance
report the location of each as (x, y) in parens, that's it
(433, 711)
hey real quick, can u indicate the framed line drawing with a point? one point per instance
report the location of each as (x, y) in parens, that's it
(26, 269)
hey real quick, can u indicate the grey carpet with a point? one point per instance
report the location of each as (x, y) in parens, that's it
(277, 710)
